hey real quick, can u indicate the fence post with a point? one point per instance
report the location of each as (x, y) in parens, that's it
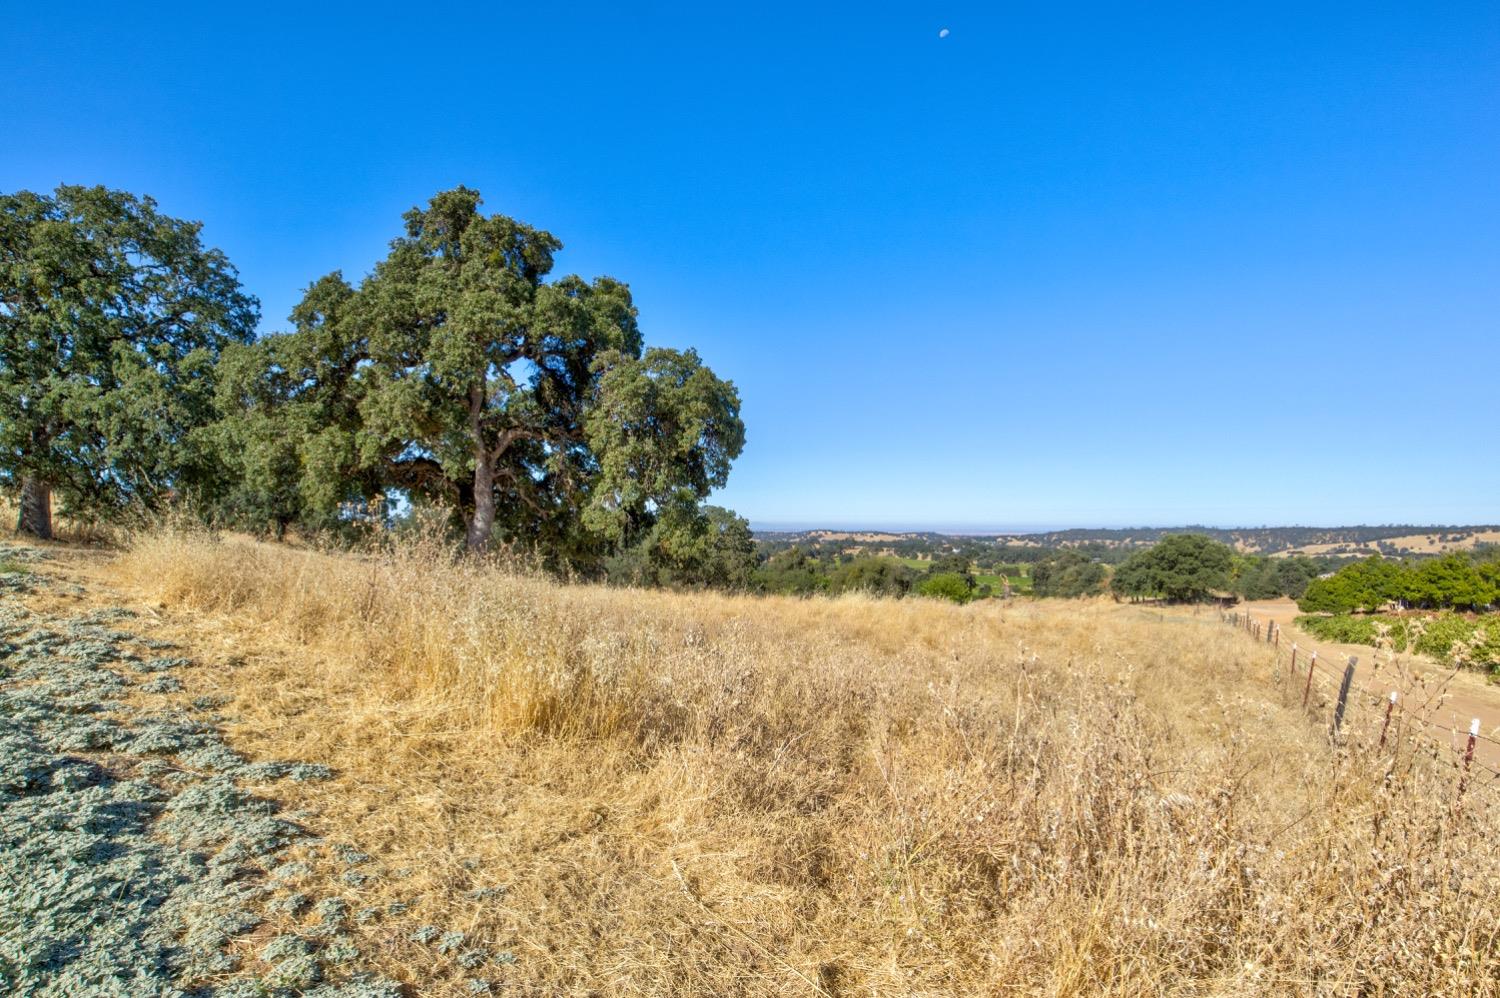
(1312, 664)
(1463, 781)
(1293, 667)
(1385, 725)
(1338, 711)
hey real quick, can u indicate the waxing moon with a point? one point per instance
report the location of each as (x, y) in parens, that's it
(943, 33)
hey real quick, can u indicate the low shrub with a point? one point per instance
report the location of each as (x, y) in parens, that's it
(1451, 638)
(946, 585)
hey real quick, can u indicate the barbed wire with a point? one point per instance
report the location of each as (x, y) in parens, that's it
(1323, 674)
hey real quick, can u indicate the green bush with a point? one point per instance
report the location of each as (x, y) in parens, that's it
(1441, 634)
(946, 585)
(1343, 628)
(1448, 637)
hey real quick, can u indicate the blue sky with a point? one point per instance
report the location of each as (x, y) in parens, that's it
(1073, 264)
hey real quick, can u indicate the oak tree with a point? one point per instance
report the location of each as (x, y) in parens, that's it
(1180, 568)
(460, 373)
(112, 315)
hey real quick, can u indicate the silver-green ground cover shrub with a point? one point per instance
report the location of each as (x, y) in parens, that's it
(486, 893)
(15, 568)
(163, 684)
(350, 856)
(130, 856)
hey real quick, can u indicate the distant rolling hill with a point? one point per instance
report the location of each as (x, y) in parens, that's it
(1394, 541)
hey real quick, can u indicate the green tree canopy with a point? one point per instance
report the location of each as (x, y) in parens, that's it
(792, 571)
(458, 373)
(690, 547)
(1068, 573)
(879, 576)
(111, 318)
(1181, 567)
(1450, 581)
(1257, 577)
(956, 564)
(290, 416)
(1453, 581)
(1364, 585)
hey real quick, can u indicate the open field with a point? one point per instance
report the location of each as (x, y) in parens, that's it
(1018, 583)
(634, 792)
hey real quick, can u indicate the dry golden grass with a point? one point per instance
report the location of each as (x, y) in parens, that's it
(707, 794)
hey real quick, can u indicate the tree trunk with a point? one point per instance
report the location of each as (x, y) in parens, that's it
(36, 509)
(483, 520)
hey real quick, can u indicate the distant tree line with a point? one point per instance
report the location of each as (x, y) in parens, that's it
(805, 571)
(1182, 567)
(1266, 540)
(459, 375)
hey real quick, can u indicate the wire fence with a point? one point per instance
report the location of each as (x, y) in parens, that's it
(1406, 706)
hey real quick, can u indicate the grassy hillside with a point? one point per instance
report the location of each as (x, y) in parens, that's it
(653, 793)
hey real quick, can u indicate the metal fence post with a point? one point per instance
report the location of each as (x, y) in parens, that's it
(1312, 664)
(1386, 724)
(1338, 711)
(1463, 781)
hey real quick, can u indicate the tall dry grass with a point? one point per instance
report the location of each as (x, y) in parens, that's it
(710, 794)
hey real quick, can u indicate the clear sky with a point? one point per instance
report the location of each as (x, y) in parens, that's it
(1072, 264)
